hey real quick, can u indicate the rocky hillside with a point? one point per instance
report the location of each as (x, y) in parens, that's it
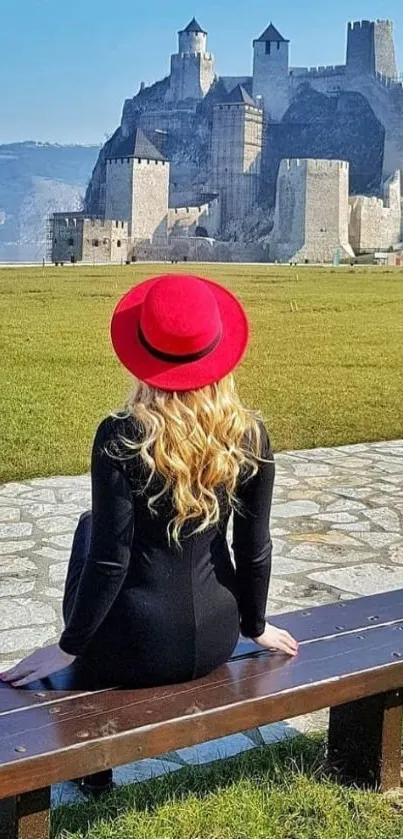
(37, 179)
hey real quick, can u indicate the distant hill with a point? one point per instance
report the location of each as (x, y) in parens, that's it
(37, 179)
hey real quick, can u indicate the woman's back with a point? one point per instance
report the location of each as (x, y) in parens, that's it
(176, 607)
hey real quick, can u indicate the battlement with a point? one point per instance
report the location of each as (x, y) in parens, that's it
(321, 71)
(140, 160)
(368, 24)
(72, 219)
(187, 55)
(360, 24)
(312, 163)
(385, 81)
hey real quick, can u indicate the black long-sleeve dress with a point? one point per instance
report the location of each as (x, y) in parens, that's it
(144, 613)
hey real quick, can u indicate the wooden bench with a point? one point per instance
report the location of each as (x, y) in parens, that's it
(351, 659)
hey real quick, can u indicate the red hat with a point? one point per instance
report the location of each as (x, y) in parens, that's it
(178, 332)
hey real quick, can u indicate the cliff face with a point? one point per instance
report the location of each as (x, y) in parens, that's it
(37, 179)
(342, 127)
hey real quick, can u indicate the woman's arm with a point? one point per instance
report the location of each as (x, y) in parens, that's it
(110, 548)
(252, 543)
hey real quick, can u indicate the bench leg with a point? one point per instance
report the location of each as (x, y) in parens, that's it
(26, 816)
(365, 740)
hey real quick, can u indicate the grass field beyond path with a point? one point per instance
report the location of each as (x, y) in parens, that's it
(324, 364)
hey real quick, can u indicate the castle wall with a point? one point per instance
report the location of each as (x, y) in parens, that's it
(192, 75)
(183, 221)
(386, 100)
(329, 80)
(236, 157)
(271, 78)
(119, 189)
(191, 249)
(150, 199)
(93, 240)
(384, 96)
(375, 224)
(67, 237)
(104, 241)
(311, 213)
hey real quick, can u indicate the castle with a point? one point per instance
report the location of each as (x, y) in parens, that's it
(256, 158)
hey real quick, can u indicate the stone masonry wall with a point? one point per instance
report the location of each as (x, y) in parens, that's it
(77, 239)
(191, 76)
(150, 199)
(375, 224)
(271, 79)
(236, 154)
(192, 249)
(119, 189)
(67, 237)
(302, 231)
(183, 221)
(384, 48)
(104, 241)
(384, 97)
(288, 234)
(386, 101)
(326, 217)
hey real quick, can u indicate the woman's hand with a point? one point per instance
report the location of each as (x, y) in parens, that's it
(277, 639)
(41, 663)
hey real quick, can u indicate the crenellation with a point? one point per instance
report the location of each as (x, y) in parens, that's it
(360, 24)
(325, 70)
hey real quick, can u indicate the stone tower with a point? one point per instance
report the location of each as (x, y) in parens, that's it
(236, 153)
(137, 188)
(192, 69)
(371, 49)
(271, 73)
(312, 211)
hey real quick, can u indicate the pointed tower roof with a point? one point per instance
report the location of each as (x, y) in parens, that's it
(137, 145)
(194, 26)
(239, 96)
(271, 34)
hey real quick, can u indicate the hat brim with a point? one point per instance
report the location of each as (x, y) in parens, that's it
(168, 375)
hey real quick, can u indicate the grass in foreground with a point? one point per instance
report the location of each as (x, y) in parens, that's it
(280, 792)
(324, 363)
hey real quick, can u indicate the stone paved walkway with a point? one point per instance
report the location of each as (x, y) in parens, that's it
(337, 526)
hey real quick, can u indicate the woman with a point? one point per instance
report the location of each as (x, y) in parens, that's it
(151, 595)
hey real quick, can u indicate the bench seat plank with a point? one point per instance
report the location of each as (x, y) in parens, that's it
(120, 726)
(305, 625)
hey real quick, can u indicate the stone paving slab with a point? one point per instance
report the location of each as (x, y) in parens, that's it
(337, 528)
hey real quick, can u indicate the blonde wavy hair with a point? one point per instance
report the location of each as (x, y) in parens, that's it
(196, 441)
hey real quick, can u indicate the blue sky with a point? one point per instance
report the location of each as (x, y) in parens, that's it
(65, 68)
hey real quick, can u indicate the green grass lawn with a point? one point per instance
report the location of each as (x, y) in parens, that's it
(278, 792)
(324, 365)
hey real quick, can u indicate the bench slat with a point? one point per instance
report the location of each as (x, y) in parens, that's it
(124, 725)
(304, 624)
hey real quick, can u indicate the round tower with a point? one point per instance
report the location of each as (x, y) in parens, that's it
(271, 73)
(193, 39)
